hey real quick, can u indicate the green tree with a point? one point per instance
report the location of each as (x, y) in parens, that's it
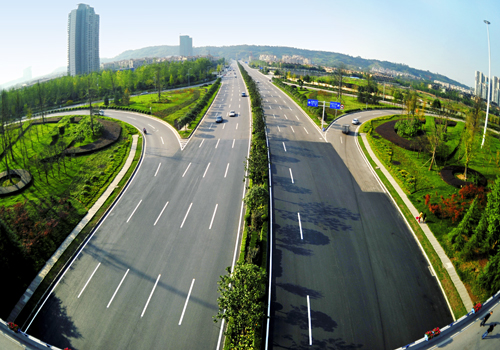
(256, 197)
(106, 100)
(436, 104)
(466, 226)
(489, 279)
(126, 98)
(469, 134)
(241, 303)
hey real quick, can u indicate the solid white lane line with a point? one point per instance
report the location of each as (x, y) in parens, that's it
(236, 126)
(292, 129)
(284, 146)
(233, 143)
(185, 304)
(213, 216)
(210, 128)
(300, 226)
(116, 291)
(185, 217)
(309, 320)
(205, 173)
(158, 218)
(291, 175)
(201, 143)
(162, 140)
(134, 210)
(159, 165)
(306, 130)
(92, 275)
(150, 295)
(297, 118)
(217, 144)
(185, 171)
(227, 167)
(279, 128)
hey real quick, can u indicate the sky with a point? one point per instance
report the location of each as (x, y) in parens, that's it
(443, 36)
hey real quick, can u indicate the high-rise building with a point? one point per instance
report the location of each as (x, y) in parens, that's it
(186, 46)
(27, 75)
(83, 40)
(481, 87)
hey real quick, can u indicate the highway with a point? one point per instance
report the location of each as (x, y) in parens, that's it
(347, 272)
(148, 277)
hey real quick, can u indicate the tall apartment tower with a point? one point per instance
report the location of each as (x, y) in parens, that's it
(83, 40)
(186, 46)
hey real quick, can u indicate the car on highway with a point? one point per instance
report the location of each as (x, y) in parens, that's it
(243, 94)
(101, 112)
(232, 114)
(355, 121)
(219, 119)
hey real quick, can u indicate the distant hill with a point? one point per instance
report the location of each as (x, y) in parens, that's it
(322, 58)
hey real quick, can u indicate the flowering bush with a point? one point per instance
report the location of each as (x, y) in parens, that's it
(477, 307)
(431, 334)
(13, 326)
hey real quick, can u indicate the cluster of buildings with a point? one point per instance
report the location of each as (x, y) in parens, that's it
(481, 87)
(447, 86)
(393, 73)
(83, 45)
(296, 59)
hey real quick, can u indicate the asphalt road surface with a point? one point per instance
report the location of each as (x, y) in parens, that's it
(347, 272)
(147, 279)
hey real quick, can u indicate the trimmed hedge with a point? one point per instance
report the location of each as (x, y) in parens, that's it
(387, 131)
(195, 111)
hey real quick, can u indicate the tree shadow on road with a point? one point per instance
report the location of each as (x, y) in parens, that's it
(54, 326)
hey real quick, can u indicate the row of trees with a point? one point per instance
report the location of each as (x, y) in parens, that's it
(98, 85)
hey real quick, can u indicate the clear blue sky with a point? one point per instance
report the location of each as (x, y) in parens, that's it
(443, 36)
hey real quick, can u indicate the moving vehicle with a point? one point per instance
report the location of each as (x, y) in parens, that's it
(355, 121)
(345, 129)
(232, 114)
(145, 132)
(243, 94)
(101, 112)
(219, 119)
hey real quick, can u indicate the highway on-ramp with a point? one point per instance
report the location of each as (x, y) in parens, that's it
(347, 272)
(147, 279)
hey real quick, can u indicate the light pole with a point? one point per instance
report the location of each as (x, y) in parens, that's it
(188, 77)
(489, 82)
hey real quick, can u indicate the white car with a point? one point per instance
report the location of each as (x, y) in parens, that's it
(232, 114)
(355, 121)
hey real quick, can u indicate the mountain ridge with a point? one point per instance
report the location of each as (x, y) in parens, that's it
(323, 58)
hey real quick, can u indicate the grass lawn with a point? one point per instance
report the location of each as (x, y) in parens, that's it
(410, 170)
(81, 180)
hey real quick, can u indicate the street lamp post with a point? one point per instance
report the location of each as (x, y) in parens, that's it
(489, 82)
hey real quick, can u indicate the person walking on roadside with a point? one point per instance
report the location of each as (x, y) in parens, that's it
(490, 329)
(486, 318)
(424, 216)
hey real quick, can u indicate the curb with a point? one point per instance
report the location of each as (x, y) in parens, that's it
(74, 233)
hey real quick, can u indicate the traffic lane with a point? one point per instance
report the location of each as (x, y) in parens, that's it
(380, 285)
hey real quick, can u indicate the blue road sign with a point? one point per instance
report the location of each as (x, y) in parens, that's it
(312, 103)
(335, 105)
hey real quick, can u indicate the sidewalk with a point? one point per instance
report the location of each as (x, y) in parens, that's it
(53, 259)
(448, 265)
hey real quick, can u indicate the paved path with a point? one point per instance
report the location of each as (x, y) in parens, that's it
(464, 295)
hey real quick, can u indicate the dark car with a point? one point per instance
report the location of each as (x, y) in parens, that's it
(219, 119)
(243, 94)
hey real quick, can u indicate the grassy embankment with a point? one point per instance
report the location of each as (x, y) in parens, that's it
(410, 169)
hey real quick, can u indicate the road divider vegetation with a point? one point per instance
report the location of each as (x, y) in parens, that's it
(243, 291)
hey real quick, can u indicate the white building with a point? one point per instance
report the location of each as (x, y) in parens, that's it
(83, 40)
